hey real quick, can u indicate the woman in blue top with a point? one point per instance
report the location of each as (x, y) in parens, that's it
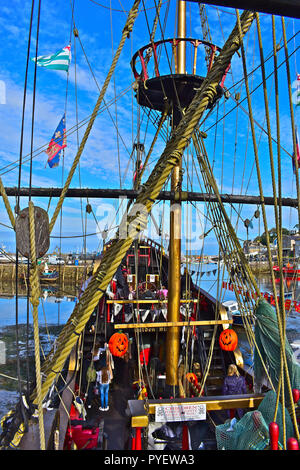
(234, 384)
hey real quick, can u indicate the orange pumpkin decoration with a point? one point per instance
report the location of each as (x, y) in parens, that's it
(228, 340)
(191, 377)
(118, 344)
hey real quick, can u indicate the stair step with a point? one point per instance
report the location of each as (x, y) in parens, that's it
(215, 385)
(211, 388)
(91, 337)
(217, 376)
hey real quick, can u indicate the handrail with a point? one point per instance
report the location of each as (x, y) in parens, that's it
(170, 324)
(139, 413)
(152, 48)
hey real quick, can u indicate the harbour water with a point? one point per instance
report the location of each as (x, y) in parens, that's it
(56, 306)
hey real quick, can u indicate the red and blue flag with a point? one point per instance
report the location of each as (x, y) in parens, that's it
(57, 143)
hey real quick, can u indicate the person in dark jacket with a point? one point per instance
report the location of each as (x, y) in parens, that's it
(234, 384)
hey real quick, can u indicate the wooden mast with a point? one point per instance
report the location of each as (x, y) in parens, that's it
(173, 340)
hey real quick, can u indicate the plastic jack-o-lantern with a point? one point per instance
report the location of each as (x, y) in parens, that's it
(191, 377)
(118, 344)
(228, 340)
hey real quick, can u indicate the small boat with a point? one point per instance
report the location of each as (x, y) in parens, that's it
(288, 271)
(231, 307)
(50, 276)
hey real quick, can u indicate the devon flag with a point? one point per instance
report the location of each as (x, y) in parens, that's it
(57, 143)
(59, 61)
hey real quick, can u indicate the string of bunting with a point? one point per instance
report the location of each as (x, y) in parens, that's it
(269, 297)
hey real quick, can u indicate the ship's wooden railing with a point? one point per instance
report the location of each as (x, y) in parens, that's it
(140, 412)
(151, 50)
(224, 321)
(55, 421)
(153, 244)
(143, 302)
(166, 324)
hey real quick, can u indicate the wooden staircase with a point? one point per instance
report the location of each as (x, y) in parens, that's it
(217, 371)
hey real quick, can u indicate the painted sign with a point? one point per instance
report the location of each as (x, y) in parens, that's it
(180, 412)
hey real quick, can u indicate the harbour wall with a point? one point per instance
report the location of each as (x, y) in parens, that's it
(68, 274)
(261, 267)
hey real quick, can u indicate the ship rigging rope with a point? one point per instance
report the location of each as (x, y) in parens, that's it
(125, 11)
(68, 133)
(279, 319)
(218, 237)
(257, 86)
(228, 251)
(34, 277)
(277, 212)
(35, 287)
(135, 222)
(126, 31)
(205, 366)
(83, 122)
(227, 236)
(292, 115)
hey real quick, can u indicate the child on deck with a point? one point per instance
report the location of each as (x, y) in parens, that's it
(104, 377)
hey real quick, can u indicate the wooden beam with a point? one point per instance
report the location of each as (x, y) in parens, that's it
(186, 196)
(215, 403)
(290, 8)
(171, 323)
(52, 418)
(139, 414)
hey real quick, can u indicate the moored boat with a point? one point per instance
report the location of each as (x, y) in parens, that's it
(287, 271)
(49, 277)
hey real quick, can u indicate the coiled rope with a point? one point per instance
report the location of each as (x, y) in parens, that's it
(35, 289)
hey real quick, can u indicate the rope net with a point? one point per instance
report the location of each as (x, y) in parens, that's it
(268, 342)
(252, 431)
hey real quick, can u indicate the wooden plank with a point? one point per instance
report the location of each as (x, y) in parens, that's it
(169, 323)
(138, 411)
(132, 194)
(290, 8)
(214, 403)
(64, 409)
(31, 439)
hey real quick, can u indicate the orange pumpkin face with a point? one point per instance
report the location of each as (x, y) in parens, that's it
(118, 344)
(228, 340)
(191, 377)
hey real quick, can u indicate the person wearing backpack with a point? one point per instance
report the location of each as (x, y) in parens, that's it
(91, 374)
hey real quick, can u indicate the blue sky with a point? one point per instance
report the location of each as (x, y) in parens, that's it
(99, 29)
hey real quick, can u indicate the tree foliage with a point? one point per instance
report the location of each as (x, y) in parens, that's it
(272, 236)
